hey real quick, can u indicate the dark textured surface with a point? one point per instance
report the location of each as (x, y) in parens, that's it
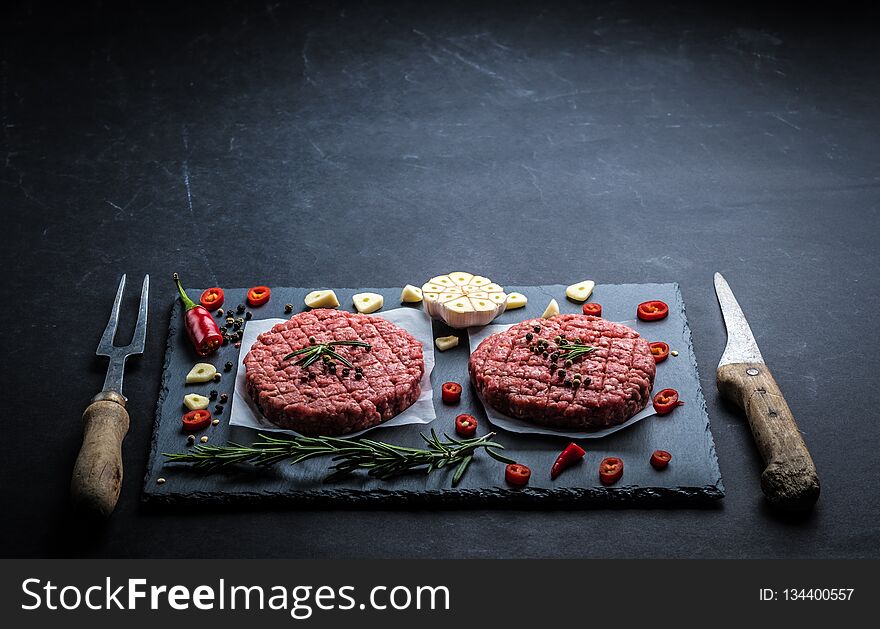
(692, 477)
(334, 145)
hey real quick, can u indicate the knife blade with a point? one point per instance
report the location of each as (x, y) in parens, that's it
(789, 480)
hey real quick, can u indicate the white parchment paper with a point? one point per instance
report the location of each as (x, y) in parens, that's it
(245, 413)
(512, 424)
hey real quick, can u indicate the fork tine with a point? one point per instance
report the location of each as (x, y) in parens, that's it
(106, 343)
(140, 330)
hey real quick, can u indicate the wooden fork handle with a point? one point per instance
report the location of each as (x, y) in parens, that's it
(97, 474)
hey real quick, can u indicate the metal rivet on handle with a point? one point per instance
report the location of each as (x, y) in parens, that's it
(752, 371)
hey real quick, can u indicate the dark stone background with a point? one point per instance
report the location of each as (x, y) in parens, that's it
(381, 143)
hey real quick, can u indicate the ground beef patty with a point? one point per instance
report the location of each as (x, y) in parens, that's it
(333, 403)
(617, 377)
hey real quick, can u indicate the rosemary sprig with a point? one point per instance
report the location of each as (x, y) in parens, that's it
(574, 350)
(380, 460)
(312, 353)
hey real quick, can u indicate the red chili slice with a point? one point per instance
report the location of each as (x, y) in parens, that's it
(259, 295)
(666, 401)
(652, 310)
(196, 420)
(660, 459)
(517, 474)
(592, 309)
(465, 425)
(450, 392)
(660, 351)
(610, 470)
(212, 298)
(568, 457)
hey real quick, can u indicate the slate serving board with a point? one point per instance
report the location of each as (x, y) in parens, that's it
(692, 476)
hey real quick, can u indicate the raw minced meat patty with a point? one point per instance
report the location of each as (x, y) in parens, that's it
(617, 377)
(333, 403)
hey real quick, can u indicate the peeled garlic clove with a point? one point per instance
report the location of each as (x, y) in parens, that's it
(580, 291)
(365, 303)
(321, 299)
(446, 342)
(411, 294)
(552, 310)
(201, 372)
(195, 402)
(516, 300)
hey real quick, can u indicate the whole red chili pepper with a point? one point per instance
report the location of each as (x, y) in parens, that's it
(572, 453)
(200, 325)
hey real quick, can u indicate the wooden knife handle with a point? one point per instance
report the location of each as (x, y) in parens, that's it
(97, 474)
(790, 480)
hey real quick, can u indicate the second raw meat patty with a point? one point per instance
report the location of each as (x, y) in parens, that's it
(616, 378)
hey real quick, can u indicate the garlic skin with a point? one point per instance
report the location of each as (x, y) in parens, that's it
(463, 299)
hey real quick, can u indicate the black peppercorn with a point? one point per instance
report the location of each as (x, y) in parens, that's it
(537, 328)
(345, 371)
(220, 312)
(216, 377)
(311, 375)
(223, 398)
(248, 315)
(561, 373)
(228, 365)
(218, 409)
(568, 363)
(358, 375)
(312, 340)
(213, 394)
(555, 355)
(230, 321)
(190, 440)
(240, 308)
(288, 308)
(545, 354)
(529, 336)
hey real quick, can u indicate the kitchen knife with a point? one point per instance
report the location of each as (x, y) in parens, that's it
(789, 480)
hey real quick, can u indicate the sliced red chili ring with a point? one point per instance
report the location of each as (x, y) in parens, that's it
(610, 470)
(465, 425)
(652, 310)
(258, 295)
(517, 474)
(450, 392)
(660, 351)
(666, 401)
(212, 298)
(196, 420)
(660, 459)
(592, 308)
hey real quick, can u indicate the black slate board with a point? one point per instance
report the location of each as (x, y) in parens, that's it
(692, 476)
